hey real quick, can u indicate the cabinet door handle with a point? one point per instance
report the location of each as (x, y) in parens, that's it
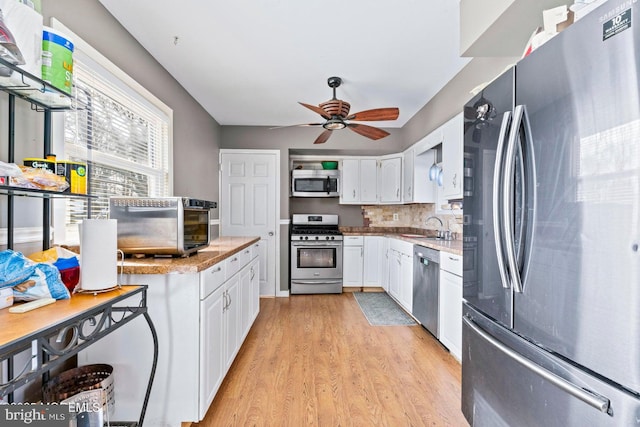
(454, 259)
(455, 176)
(216, 270)
(398, 192)
(354, 194)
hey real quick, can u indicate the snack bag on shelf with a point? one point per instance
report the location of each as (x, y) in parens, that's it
(39, 178)
(30, 280)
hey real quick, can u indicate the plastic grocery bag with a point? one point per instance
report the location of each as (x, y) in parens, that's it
(30, 280)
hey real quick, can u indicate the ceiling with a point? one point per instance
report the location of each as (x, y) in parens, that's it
(249, 62)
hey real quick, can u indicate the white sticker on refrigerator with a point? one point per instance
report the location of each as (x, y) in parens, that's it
(616, 25)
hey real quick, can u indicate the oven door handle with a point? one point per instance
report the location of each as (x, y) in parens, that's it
(317, 245)
(315, 282)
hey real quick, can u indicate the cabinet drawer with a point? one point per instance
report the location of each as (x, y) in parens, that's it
(401, 246)
(353, 240)
(232, 264)
(451, 263)
(255, 250)
(211, 279)
(245, 256)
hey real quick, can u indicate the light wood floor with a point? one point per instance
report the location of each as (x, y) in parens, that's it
(314, 360)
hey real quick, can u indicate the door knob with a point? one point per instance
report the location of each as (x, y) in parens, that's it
(271, 233)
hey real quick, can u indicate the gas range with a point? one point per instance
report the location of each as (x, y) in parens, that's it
(316, 254)
(310, 227)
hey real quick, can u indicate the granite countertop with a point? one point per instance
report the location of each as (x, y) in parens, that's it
(218, 250)
(403, 233)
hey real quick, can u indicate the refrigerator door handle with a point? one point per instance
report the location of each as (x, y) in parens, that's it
(497, 197)
(592, 399)
(507, 200)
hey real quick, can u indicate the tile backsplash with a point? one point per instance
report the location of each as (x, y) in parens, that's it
(414, 215)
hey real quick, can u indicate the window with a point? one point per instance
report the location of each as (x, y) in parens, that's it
(121, 131)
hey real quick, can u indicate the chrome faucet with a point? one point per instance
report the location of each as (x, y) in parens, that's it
(441, 231)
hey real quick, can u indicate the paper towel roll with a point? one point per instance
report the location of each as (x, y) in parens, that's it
(98, 254)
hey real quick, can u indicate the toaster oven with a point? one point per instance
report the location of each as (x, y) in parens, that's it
(175, 226)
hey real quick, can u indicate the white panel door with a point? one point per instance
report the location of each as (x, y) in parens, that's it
(250, 205)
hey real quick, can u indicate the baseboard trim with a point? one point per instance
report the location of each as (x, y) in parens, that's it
(362, 289)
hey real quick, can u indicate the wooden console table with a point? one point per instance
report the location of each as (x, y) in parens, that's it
(58, 331)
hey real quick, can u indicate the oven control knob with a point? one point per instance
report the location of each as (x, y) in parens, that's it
(327, 237)
(306, 237)
(316, 237)
(332, 238)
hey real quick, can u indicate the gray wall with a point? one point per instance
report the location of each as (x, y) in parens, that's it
(196, 135)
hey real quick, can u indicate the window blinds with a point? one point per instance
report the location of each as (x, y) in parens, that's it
(124, 140)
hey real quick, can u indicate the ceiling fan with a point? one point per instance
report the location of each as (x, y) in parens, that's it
(336, 112)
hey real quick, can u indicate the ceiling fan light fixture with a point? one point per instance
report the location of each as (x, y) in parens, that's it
(334, 124)
(336, 112)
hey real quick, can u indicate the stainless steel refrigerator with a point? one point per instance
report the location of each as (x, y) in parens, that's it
(551, 319)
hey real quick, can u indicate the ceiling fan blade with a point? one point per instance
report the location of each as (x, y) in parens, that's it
(376, 114)
(291, 126)
(323, 137)
(316, 109)
(368, 131)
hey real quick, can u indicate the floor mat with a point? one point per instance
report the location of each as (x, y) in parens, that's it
(381, 310)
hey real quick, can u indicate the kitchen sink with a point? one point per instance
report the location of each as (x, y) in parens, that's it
(420, 237)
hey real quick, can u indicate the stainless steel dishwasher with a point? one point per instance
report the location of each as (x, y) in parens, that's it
(426, 277)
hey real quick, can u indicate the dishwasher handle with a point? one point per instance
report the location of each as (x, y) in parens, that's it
(423, 253)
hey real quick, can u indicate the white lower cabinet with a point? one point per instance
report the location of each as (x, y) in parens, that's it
(201, 321)
(231, 319)
(254, 268)
(401, 272)
(406, 280)
(361, 264)
(450, 301)
(395, 275)
(352, 261)
(212, 339)
(385, 263)
(372, 266)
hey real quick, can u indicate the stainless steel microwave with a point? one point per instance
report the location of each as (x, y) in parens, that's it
(161, 225)
(315, 183)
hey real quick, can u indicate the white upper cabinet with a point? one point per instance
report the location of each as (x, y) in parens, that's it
(417, 188)
(359, 181)
(408, 185)
(390, 179)
(350, 181)
(368, 180)
(452, 158)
